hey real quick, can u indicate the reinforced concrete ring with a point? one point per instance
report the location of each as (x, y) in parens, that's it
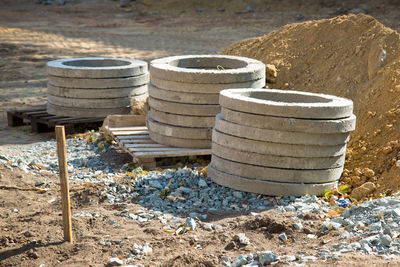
(96, 93)
(204, 88)
(279, 149)
(96, 67)
(179, 142)
(275, 161)
(89, 102)
(207, 69)
(266, 187)
(183, 97)
(85, 112)
(276, 136)
(290, 124)
(285, 103)
(99, 83)
(184, 109)
(177, 131)
(182, 120)
(276, 174)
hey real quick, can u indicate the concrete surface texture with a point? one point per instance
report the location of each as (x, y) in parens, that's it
(178, 131)
(277, 136)
(267, 187)
(96, 67)
(188, 86)
(95, 85)
(179, 142)
(211, 88)
(275, 174)
(273, 151)
(99, 83)
(286, 103)
(85, 112)
(207, 69)
(290, 124)
(96, 93)
(184, 97)
(182, 120)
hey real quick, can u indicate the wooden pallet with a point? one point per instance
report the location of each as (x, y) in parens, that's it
(136, 142)
(41, 121)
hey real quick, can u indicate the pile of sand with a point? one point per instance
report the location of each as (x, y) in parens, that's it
(351, 56)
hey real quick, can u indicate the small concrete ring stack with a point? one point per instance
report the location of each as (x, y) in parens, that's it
(280, 142)
(184, 95)
(95, 86)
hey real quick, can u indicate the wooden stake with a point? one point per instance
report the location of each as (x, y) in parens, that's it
(62, 165)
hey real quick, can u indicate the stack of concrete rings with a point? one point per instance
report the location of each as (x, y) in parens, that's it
(95, 87)
(280, 142)
(184, 93)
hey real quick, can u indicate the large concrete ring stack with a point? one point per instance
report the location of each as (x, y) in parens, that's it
(278, 142)
(95, 87)
(184, 92)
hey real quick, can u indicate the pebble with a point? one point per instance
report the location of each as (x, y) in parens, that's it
(283, 237)
(114, 261)
(183, 196)
(242, 239)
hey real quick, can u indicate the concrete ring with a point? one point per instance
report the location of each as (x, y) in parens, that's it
(267, 187)
(179, 142)
(96, 93)
(183, 97)
(96, 67)
(290, 124)
(278, 149)
(89, 102)
(85, 112)
(184, 109)
(275, 161)
(182, 120)
(275, 174)
(285, 103)
(178, 131)
(275, 136)
(204, 88)
(207, 69)
(99, 83)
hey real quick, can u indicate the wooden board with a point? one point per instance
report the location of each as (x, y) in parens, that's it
(41, 121)
(136, 142)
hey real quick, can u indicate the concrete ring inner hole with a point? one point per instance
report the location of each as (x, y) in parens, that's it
(283, 97)
(96, 63)
(208, 63)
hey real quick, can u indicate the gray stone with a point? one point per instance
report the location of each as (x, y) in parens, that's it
(239, 261)
(203, 183)
(386, 240)
(114, 261)
(283, 237)
(190, 222)
(242, 239)
(265, 257)
(297, 226)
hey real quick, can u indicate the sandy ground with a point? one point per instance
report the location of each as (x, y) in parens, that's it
(32, 34)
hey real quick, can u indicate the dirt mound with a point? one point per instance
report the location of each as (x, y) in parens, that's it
(351, 56)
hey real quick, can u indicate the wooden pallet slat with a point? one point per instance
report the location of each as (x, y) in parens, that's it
(41, 121)
(136, 141)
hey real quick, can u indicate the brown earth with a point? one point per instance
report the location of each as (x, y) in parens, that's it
(31, 34)
(352, 56)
